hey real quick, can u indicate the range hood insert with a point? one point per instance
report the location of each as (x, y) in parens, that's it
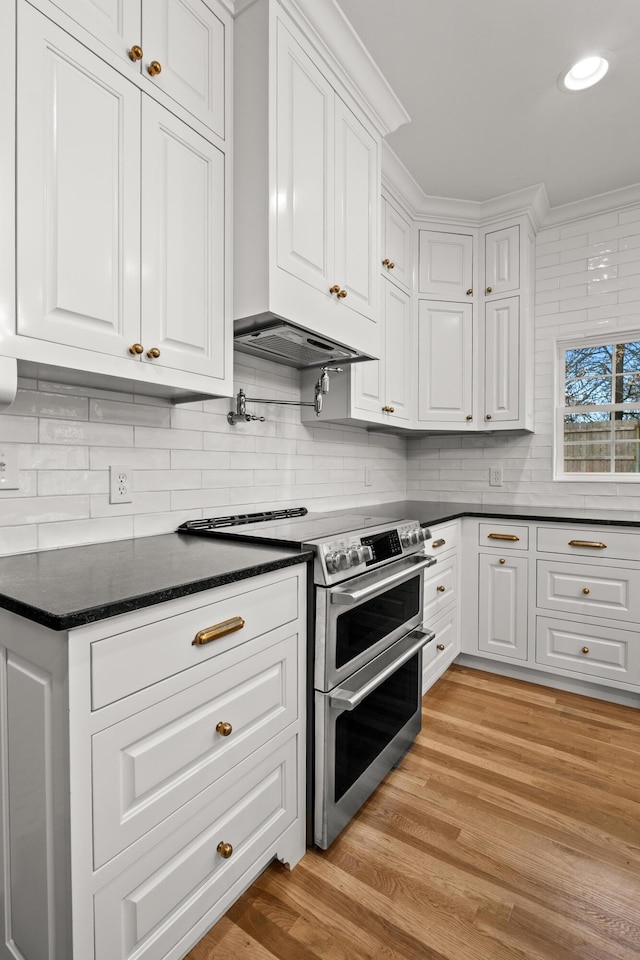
(287, 343)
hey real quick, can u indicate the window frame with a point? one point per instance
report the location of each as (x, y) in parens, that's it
(601, 339)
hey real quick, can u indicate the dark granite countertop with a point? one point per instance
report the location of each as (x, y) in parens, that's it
(78, 585)
(432, 512)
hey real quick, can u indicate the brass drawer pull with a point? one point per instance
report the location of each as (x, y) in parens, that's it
(217, 631)
(441, 646)
(225, 850)
(585, 649)
(596, 544)
(438, 543)
(502, 560)
(586, 590)
(441, 589)
(224, 728)
(503, 536)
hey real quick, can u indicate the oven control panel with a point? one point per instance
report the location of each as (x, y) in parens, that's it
(351, 554)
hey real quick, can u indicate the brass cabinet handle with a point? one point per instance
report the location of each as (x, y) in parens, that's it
(342, 294)
(438, 543)
(335, 288)
(153, 354)
(225, 850)
(135, 53)
(136, 348)
(441, 589)
(596, 544)
(502, 560)
(503, 536)
(469, 291)
(224, 728)
(586, 590)
(489, 289)
(217, 630)
(469, 416)
(441, 646)
(154, 68)
(585, 649)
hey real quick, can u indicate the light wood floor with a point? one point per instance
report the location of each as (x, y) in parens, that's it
(510, 830)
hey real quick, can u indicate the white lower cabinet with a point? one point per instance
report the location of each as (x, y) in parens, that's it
(502, 605)
(147, 779)
(441, 602)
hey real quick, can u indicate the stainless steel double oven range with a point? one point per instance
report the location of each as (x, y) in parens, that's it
(366, 680)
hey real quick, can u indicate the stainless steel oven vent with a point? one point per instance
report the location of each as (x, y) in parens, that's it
(289, 344)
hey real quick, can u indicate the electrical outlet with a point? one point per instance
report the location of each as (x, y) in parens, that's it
(8, 467)
(495, 476)
(120, 484)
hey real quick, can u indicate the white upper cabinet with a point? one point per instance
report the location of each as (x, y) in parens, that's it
(178, 45)
(122, 213)
(446, 382)
(445, 268)
(502, 360)
(502, 261)
(306, 176)
(396, 248)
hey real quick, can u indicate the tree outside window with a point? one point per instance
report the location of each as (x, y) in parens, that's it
(601, 414)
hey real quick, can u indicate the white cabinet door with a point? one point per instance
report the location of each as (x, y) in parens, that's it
(445, 268)
(188, 41)
(502, 261)
(397, 325)
(445, 363)
(356, 217)
(183, 255)
(116, 23)
(78, 193)
(502, 606)
(396, 246)
(304, 169)
(502, 360)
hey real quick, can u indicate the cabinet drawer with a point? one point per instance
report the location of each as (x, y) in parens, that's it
(148, 765)
(584, 648)
(147, 909)
(438, 654)
(599, 591)
(589, 542)
(137, 658)
(440, 587)
(443, 538)
(505, 536)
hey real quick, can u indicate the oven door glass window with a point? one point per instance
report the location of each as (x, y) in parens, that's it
(361, 627)
(363, 733)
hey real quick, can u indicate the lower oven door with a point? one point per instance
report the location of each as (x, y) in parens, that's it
(357, 620)
(362, 729)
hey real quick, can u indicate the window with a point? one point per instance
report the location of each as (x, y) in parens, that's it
(598, 426)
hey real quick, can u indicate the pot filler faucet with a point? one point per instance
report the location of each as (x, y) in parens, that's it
(321, 388)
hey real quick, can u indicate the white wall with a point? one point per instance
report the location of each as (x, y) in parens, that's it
(587, 279)
(187, 461)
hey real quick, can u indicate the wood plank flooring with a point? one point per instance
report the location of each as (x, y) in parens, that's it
(511, 830)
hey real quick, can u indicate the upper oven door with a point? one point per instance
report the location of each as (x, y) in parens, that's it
(359, 619)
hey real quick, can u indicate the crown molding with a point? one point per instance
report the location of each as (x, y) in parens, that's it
(593, 206)
(327, 29)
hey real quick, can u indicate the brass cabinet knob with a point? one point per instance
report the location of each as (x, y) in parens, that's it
(441, 589)
(225, 850)
(342, 294)
(223, 728)
(335, 288)
(388, 263)
(154, 68)
(488, 416)
(585, 649)
(501, 560)
(135, 53)
(489, 289)
(441, 646)
(388, 409)
(469, 416)
(136, 348)
(469, 291)
(153, 354)
(586, 590)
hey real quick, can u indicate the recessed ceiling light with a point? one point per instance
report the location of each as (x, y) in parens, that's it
(584, 73)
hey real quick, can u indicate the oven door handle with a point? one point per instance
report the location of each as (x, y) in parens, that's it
(340, 595)
(346, 699)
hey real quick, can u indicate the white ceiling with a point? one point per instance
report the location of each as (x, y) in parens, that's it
(479, 80)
